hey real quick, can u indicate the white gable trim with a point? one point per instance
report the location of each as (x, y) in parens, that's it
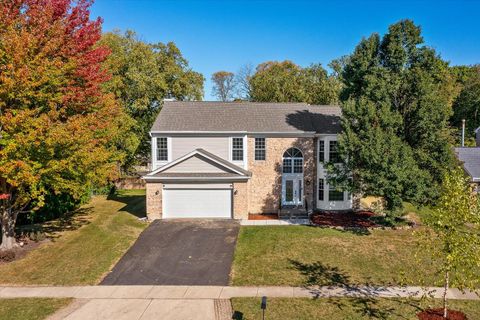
(189, 155)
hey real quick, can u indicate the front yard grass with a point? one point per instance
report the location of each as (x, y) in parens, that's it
(84, 249)
(343, 308)
(304, 255)
(30, 308)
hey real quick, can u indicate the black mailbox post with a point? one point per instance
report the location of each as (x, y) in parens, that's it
(264, 306)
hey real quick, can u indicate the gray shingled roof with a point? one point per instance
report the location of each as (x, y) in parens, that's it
(247, 117)
(470, 157)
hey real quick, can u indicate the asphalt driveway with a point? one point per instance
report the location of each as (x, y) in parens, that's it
(179, 252)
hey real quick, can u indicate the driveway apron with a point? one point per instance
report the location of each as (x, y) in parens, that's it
(179, 252)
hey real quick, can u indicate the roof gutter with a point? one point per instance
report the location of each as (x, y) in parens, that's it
(234, 133)
(183, 179)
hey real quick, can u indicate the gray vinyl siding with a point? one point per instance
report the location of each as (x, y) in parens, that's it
(196, 164)
(216, 145)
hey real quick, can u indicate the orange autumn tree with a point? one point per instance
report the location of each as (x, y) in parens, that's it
(58, 130)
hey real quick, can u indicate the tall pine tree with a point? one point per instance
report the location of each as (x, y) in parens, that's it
(396, 103)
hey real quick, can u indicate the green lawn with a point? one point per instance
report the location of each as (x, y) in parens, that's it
(84, 249)
(420, 212)
(343, 308)
(30, 309)
(303, 255)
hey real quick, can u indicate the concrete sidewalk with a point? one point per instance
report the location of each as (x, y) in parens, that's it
(141, 309)
(192, 302)
(223, 292)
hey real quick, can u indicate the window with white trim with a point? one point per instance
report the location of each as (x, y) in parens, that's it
(260, 149)
(321, 151)
(292, 161)
(237, 149)
(162, 149)
(334, 155)
(321, 189)
(334, 194)
(298, 165)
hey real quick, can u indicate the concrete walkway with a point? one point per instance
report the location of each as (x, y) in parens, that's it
(219, 292)
(275, 222)
(192, 302)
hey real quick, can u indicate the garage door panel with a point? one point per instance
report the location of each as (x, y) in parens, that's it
(197, 203)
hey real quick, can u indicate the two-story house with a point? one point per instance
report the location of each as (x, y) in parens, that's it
(226, 160)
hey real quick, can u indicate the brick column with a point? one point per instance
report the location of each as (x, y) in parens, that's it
(154, 200)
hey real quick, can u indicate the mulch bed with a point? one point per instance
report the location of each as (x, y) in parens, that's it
(262, 216)
(358, 219)
(19, 252)
(437, 314)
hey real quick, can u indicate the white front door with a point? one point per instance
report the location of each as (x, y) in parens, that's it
(292, 190)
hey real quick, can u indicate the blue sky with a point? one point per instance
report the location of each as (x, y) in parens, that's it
(224, 35)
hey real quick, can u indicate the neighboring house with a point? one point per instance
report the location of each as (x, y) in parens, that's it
(229, 159)
(470, 158)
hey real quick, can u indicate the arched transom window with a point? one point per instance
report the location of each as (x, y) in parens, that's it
(293, 161)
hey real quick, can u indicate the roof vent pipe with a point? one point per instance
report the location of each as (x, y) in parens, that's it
(463, 132)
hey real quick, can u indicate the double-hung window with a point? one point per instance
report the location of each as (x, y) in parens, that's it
(334, 194)
(321, 150)
(260, 149)
(334, 155)
(162, 149)
(321, 189)
(237, 149)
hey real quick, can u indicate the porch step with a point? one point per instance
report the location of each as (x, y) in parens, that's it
(293, 213)
(294, 217)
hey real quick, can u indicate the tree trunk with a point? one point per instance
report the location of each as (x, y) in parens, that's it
(445, 311)
(7, 222)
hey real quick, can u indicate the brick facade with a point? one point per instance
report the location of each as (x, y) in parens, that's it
(240, 200)
(265, 185)
(263, 191)
(154, 200)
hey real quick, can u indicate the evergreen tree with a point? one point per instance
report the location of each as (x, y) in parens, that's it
(396, 103)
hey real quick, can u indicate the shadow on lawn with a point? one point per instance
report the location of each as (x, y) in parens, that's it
(52, 229)
(358, 231)
(368, 307)
(319, 274)
(134, 203)
(362, 299)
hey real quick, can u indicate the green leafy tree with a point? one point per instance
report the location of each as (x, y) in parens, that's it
(277, 82)
(452, 238)
(143, 75)
(396, 104)
(58, 130)
(320, 87)
(223, 85)
(467, 103)
(287, 82)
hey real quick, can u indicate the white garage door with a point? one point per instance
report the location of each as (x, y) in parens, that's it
(197, 203)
